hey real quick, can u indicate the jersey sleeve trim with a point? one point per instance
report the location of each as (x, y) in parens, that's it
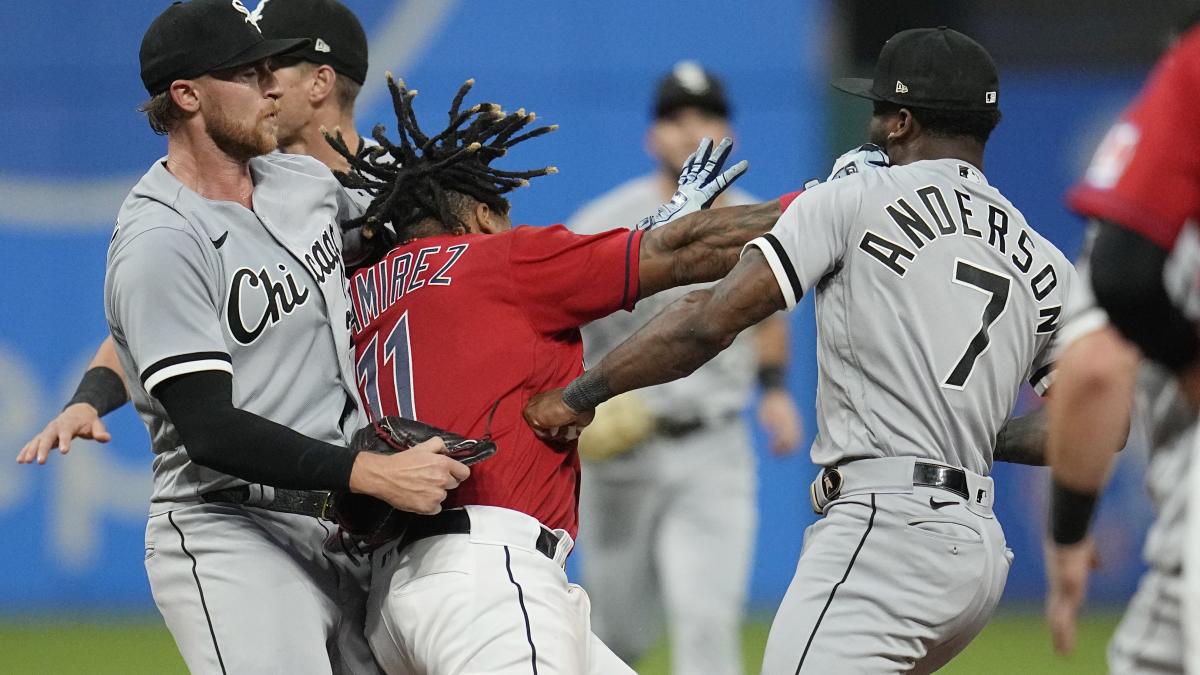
(1042, 379)
(781, 267)
(182, 364)
(1088, 321)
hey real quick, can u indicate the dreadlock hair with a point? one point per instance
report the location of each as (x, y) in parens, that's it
(421, 177)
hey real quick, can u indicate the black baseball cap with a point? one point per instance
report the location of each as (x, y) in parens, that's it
(689, 85)
(937, 68)
(338, 38)
(192, 38)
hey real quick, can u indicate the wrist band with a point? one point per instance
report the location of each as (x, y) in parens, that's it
(102, 389)
(771, 376)
(1070, 514)
(586, 392)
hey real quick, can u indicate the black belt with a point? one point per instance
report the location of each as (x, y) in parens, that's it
(679, 427)
(828, 485)
(944, 477)
(457, 521)
(313, 503)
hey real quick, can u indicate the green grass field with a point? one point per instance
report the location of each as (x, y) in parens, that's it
(1012, 643)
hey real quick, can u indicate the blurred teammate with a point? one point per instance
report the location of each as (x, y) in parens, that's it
(669, 523)
(318, 85)
(1143, 197)
(462, 318)
(934, 301)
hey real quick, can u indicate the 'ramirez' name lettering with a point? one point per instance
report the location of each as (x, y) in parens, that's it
(382, 285)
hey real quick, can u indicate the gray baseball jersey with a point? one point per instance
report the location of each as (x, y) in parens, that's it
(720, 387)
(195, 285)
(934, 301)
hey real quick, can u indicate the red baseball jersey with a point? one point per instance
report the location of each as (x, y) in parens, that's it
(1146, 173)
(461, 331)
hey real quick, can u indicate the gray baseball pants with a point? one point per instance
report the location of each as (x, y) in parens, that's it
(247, 590)
(895, 578)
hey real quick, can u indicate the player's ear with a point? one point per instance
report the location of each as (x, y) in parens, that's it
(324, 80)
(485, 218)
(185, 95)
(906, 127)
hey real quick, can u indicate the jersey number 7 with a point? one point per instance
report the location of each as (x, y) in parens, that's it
(996, 286)
(397, 358)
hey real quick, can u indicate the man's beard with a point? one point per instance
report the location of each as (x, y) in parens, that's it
(239, 139)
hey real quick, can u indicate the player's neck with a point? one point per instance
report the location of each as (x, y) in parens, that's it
(312, 142)
(208, 171)
(936, 147)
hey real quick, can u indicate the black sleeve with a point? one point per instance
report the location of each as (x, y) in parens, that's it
(1127, 277)
(242, 444)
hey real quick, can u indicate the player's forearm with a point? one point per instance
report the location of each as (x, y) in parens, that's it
(1022, 440)
(1089, 409)
(677, 342)
(224, 438)
(684, 336)
(103, 384)
(702, 246)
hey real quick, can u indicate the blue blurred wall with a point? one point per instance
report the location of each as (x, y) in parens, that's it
(73, 143)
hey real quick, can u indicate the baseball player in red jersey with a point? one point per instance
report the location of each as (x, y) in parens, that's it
(1142, 192)
(459, 324)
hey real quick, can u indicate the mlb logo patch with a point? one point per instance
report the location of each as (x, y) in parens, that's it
(989, 97)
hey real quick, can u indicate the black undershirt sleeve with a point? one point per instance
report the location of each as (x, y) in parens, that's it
(226, 439)
(1127, 277)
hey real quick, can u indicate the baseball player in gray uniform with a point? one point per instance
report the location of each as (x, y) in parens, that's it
(1098, 384)
(656, 529)
(935, 300)
(225, 294)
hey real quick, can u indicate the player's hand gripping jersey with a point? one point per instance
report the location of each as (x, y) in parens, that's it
(964, 301)
(460, 331)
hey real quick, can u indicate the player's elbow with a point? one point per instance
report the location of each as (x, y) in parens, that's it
(1100, 361)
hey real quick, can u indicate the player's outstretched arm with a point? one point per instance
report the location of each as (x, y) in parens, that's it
(101, 391)
(1088, 424)
(702, 246)
(676, 342)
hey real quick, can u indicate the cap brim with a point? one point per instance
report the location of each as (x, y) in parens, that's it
(264, 50)
(856, 86)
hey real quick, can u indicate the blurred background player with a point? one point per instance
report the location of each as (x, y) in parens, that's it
(1139, 197)
(667, 509)
(318, 85)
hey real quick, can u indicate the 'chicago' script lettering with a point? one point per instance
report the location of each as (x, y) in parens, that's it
(274, 299)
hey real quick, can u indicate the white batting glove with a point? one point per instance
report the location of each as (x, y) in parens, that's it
(863, 158)
(697, 185)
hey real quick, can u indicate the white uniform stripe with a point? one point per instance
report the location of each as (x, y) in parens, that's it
(185, 368)
(777, 268)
